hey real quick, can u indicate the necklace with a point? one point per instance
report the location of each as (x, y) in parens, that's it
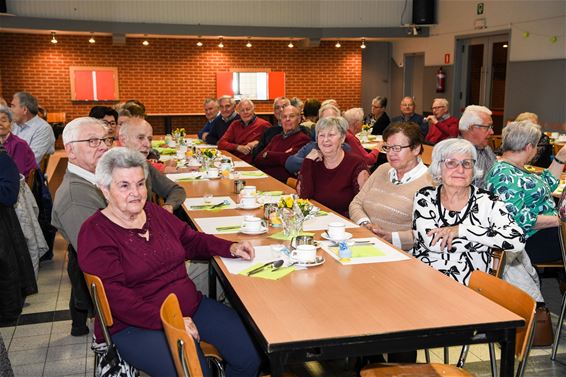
(466, 212)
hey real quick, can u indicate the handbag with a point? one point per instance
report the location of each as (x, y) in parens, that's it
(544, 335)
(110, 363)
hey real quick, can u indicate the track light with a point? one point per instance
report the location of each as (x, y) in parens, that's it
(221, 44)
(290, 45)
(91, 40)
(249, 44)
(337, 45)
(53, 39)
(363, 45)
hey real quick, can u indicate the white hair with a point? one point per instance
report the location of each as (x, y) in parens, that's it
(119, 157)
(448, 148)
(72, 129)
(354, 114)
(517, 135)
(471, 116)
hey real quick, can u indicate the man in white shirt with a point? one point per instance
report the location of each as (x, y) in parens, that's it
(30, 127)
(76, 199)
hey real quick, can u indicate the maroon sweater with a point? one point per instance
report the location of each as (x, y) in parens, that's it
(240, 134)
(446, 129)
(358, 149)
(272, 159)
(335, 188)
(137, 274)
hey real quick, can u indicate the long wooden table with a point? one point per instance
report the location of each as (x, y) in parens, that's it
(333, 311)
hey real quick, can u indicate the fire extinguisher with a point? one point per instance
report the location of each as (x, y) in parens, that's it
(440, 81)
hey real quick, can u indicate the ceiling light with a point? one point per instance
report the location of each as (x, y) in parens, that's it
(249, 44)
(337, 45)
(505, 45)
(363, 45)
(221, 45)
(290, 45)
(91, 40)
(53, 39)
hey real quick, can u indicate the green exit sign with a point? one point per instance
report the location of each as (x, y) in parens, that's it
(479, 9)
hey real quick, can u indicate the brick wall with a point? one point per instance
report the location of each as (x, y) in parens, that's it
(173, 75)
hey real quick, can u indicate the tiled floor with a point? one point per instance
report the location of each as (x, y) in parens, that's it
(41, 344)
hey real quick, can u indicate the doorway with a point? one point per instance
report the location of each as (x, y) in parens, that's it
(481, 66)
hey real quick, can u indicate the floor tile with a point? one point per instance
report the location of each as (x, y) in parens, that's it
(32, 330)
(7, 333)
(29, 342)
(61, 327)
(28, 356)
(71, 351)
(29, 370)
(63, 339)
(65, 367)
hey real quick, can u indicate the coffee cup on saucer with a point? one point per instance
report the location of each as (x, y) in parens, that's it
(248, 191)
(304, 253)
(336, 231)
(248, 201)
(212, 173)
(252, 224)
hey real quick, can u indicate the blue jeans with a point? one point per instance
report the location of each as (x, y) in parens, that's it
(217, 324)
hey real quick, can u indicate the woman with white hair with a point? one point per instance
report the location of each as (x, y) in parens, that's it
(528, 196)
(139, 250)
(455, 224)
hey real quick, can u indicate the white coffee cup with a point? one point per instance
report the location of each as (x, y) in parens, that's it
(212, 173)
(555, 135)
(304, 253)
(253, 224)
(248, 191)
(248, 201)
(336, 231)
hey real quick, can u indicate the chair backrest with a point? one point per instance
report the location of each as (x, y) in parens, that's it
(511, 298)
(30, 180)
(101, 305)
(497, 262)
(43, 163)
(58, 117)
(562, 238)
(292, 182)
(181, 343)
(426, 156)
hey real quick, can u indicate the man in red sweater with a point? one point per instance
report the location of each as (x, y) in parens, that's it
(441, 124)
(272, 159)
(355, 118)
(243, 134)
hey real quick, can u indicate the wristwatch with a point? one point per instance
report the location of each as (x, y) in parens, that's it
(364, 223)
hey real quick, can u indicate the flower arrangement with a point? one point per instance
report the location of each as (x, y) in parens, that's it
(302, 206)
(209, 152)
(179, 132)
(366, 127)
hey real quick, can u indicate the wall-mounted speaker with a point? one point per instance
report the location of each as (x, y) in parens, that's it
(424, 12)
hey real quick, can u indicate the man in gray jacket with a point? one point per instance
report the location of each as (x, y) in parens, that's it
(78, 198)
(137, 133)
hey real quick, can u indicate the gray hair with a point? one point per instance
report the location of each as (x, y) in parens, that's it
(337, 122)
(382, 101)
(119, 157)
(28, 100)
(471, 116)
(71, 130)
(323, 108)
(6, 110)
(517, 135)
(245, 99)
(447, 148)
(354, 114)
(296, 101)
(209, 100)
(329, 101)
(229, 98)
(132, 123)
(443, 101)
(284, 99)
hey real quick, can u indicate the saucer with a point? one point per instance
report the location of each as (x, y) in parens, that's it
(254, 232)
(255, 206)
(209, 177)
(317, 262)
(347, 236)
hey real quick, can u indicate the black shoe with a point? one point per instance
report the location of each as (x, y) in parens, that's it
(79, 331)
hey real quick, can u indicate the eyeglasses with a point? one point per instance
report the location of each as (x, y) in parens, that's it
(95, 142)
(109, 123)
(488, 127)
(438, 107)
(451, 163)
(393, 148)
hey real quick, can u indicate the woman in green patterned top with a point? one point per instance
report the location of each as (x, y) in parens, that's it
(528, 196)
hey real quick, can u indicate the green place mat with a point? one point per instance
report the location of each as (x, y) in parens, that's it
(166, 151)
(157, 143)
(270, 193)
(281, 236)
(321, 213)
(268, 272)
(362, 251)
(228, 228)
(190, 179)
(208, 207)
(253, 173)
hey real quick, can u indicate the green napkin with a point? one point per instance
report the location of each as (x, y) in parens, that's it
(190, 179)
(253, 173)
(157, 143)
(321, 213)
(270, 193)
(208, 207)
(228, 228)
(362, 251)
(281, 236)
(196, 141)
(166, 151)
(268, 272)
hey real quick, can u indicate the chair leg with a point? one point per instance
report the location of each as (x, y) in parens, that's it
(463, 356)
(446, 355)
(492, 360)
(220, 372)
(95, 364)
(558, 329)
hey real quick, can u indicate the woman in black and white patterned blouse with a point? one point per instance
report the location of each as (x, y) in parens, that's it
(456, 223)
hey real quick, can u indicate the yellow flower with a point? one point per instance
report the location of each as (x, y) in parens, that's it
(289, 202)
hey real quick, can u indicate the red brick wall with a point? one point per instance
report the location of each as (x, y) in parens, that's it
(173, 75)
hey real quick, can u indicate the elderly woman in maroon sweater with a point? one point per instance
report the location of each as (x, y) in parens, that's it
(272, 159)
(139, 250)
(329, 175)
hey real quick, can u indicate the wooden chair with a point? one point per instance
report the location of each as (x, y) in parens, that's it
(57, 117)
(182, 345)
(497, 290)
(30, 180)
(495, 141)
(497, 262)
(426, 156)
(562, 238)
(292, 182)
(43, 163)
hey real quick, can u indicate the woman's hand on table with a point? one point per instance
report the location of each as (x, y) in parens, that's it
(191, 328)
(446, 234)
(243, 250)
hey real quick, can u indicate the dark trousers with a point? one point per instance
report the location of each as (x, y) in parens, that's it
(544, 246)
(217, 324)
(80, 303)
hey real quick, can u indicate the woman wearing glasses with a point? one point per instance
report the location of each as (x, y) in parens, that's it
(455, 224)
(528, 196)
(395, 184)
